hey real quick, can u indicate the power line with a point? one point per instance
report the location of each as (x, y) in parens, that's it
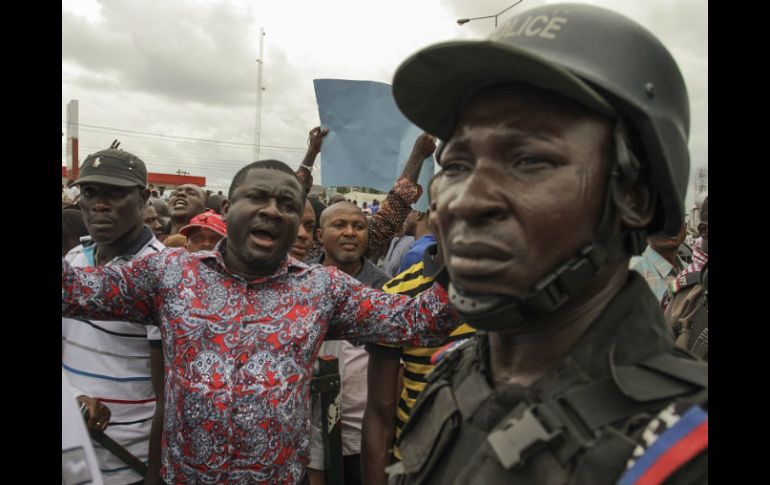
(217, 144)
(152, 156)
(180, 138)
(176, 137)
(172, 158)
(231, 166)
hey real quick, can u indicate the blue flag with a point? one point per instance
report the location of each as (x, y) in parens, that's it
(369, 140)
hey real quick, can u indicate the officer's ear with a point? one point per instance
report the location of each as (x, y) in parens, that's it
(631, 185)
(635, 204)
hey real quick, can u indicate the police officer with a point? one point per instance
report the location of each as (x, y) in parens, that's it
(566, 145)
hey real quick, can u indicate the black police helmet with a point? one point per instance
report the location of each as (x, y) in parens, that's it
(601, 59)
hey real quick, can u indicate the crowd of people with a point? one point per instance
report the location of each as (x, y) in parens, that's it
(536, 324)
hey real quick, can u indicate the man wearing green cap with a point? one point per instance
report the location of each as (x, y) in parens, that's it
(108, 362)
(566, 144)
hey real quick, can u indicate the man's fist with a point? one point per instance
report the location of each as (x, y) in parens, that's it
(424, 146)
(316, 137)
(98, 414)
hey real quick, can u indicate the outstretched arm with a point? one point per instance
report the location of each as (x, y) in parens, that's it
(314, 141)
(371, 315)
(124, 292)
(397, 205)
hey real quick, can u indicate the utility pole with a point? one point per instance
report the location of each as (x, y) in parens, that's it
(258, 128)
(72, 140)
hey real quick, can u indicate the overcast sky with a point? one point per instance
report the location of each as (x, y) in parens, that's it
(187, 68)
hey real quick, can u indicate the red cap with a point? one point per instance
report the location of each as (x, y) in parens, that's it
(209, 220)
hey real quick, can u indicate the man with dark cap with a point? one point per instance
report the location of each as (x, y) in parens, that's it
(686, 301)
(108, 362)
(566, 144)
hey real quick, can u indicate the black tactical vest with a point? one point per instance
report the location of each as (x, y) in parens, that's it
(568, 428)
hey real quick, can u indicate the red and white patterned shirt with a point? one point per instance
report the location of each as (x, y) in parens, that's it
(239, 354)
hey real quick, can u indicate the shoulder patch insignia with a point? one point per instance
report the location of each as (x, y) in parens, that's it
(684, 280)
(670, 442)
(445, 350)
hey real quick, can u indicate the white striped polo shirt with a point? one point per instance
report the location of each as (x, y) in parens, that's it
(110, 361)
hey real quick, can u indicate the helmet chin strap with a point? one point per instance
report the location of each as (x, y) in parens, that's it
(499, 312)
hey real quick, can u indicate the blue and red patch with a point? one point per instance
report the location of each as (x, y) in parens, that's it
(445, 350)
(675, 447)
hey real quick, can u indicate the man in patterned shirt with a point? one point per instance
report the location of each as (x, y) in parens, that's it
(241, 328)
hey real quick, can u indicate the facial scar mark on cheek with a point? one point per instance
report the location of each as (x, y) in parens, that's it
(522, 201)
(584, 174)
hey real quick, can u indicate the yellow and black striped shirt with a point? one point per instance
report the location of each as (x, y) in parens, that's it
(416, 360)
